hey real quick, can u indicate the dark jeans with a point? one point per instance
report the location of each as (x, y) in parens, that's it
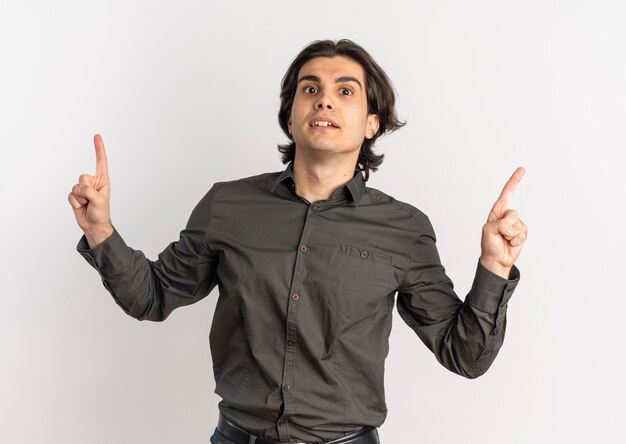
(218, 438)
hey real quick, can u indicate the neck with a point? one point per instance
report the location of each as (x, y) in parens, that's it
(317, 179)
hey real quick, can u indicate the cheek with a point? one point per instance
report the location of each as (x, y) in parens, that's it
(359, 124)
(359, 117)
(296, 112)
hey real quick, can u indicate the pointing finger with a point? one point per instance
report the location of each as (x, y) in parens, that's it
(501, 205)
(102, 168)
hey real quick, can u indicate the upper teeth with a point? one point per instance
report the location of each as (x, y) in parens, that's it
(322, 123)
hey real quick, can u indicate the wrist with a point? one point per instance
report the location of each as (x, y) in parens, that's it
(96, 236)
(496, 268)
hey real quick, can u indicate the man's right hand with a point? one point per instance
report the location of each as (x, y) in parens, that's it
(89, 199)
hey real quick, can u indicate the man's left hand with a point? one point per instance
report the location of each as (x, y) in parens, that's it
(504, 233)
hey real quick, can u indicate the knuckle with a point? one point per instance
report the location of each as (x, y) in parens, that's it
(84, 178)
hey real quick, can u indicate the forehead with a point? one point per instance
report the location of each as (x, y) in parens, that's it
(333, 67)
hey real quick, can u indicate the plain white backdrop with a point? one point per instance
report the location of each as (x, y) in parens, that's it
(185, 94)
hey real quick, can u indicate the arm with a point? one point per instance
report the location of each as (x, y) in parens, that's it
(184, 273)
(465, 337)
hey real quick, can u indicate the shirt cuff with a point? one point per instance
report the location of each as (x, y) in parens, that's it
(110, 257)
(490, 292)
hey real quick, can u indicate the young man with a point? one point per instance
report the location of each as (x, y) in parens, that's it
(308, 261)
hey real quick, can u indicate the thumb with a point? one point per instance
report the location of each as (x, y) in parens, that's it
(86, 191)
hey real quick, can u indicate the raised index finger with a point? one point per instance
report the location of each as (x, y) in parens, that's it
(502, 203)
(102, 169)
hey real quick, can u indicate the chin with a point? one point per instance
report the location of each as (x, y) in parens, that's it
(324, 147)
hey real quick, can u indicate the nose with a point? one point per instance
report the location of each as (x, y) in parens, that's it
(324, 102)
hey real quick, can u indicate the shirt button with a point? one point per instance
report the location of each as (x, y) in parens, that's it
(281, 422)
(303, 248)
(363, 253)
(488, 352)
(290, 342)
(295, 296)
(287, 387)
(509, 290)
(315, 207)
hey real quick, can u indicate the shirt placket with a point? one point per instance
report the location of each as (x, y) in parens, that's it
(296, 292)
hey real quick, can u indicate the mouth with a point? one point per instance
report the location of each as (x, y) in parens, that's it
(323, 123)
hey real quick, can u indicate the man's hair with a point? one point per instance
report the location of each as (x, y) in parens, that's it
(380, 97)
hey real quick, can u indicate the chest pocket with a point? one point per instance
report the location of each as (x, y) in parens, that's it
(358, 280)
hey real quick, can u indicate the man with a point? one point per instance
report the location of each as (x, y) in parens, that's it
(308, 261)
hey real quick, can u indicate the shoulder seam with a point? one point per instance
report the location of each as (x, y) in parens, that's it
(403, 206)
(216, 187)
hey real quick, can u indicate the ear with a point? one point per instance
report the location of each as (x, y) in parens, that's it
(373, 124)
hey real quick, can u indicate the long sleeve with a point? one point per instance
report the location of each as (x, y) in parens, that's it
(465, 337)
(150, 290)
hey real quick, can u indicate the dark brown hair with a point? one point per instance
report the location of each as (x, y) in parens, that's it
(380, 97)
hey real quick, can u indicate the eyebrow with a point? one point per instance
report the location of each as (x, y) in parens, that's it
(341, 79)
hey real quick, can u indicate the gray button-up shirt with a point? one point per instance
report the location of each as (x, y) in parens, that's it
(301, 327)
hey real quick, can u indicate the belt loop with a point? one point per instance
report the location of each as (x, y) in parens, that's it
(252, 439)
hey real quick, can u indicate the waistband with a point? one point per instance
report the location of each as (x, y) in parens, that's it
(367, 435)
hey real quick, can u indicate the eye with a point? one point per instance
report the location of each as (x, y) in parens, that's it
(310, 90)
(346, 91)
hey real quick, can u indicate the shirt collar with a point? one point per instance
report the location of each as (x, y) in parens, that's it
(356, 185)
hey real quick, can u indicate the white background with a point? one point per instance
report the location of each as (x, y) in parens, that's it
(186, 94)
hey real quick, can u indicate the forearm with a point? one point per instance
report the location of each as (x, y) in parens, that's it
(472, 342)
(482, 319)
(126, 273)
(464, 336)
(183, 274)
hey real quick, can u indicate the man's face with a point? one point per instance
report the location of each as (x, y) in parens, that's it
(329, 112)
